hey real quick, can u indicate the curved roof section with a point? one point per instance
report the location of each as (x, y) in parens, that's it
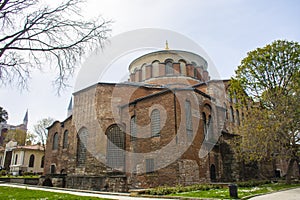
(165, 55)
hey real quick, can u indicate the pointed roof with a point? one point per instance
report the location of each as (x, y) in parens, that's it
(25, 120)
(71, 104)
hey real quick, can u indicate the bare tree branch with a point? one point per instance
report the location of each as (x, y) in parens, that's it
(46, 36)
(41, 131)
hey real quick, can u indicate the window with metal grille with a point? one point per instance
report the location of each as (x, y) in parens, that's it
(115, 148)
(65, 140)
(149, 165)
(55, 141)
(133, 130)
(155, 123)
(81, 146)
(188, 119)
(31, 161)
(169, 68)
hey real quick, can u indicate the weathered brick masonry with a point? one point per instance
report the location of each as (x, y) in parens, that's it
(166, 126)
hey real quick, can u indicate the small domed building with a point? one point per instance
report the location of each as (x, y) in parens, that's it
(167, 125)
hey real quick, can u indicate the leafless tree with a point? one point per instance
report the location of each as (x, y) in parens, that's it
(34, 35)
(40, 129)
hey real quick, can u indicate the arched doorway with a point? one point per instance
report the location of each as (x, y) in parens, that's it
(213, 176)
(115, 148)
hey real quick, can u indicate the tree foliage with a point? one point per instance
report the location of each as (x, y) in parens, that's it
(271, 128)
(40, 129)
(3, 115)
(36, 35)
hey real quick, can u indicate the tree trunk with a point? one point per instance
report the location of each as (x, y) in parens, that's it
(290, 171)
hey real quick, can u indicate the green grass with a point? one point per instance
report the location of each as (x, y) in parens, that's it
(11, 193)
(242, 191)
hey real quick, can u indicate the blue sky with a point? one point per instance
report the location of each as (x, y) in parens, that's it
(225, 29)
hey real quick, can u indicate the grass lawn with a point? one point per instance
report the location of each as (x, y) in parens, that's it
(242, 191)
(11, 193)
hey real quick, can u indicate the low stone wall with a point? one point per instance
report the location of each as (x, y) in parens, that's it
(29, 181)
(53, 180)
(111, 183)
(98, 183)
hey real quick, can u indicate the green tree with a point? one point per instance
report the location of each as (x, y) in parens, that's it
(30, 137)
(3, 115)
(34, 35)
(40, 129)
(271, 128)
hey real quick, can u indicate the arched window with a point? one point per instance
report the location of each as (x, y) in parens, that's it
(55, 141)
(182, 67)
(229, 95)
(195, 72)
(204, 125)
(31, 161)
(133, 130)
(115, 148)
(155, 68)
(65, 140)
(209, 133)
(16, 159)
(52, 169)
(81, 146)
(237, 117)
(188, 120)
(169, 68)
(213, 175)
(143, 71)
(231, 114)
(42, 162)
(155, 123)
(225, 111)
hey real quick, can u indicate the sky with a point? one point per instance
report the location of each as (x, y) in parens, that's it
(225, 29)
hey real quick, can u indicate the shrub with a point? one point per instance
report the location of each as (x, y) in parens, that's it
(164, 190)
(3, 172)
(253, 183)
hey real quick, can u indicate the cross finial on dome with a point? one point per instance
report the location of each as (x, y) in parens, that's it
(167, 45)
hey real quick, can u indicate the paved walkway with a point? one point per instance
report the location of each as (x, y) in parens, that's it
(120, 196)
(292, 194)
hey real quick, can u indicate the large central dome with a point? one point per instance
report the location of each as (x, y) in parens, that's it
(169, 67)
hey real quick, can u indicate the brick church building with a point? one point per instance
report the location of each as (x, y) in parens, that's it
(169, 124)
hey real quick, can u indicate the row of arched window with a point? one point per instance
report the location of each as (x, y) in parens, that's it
(143, 73)
(156, 126)
(116, 137)
(31, 161)
(55, 140)
(234, 117)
